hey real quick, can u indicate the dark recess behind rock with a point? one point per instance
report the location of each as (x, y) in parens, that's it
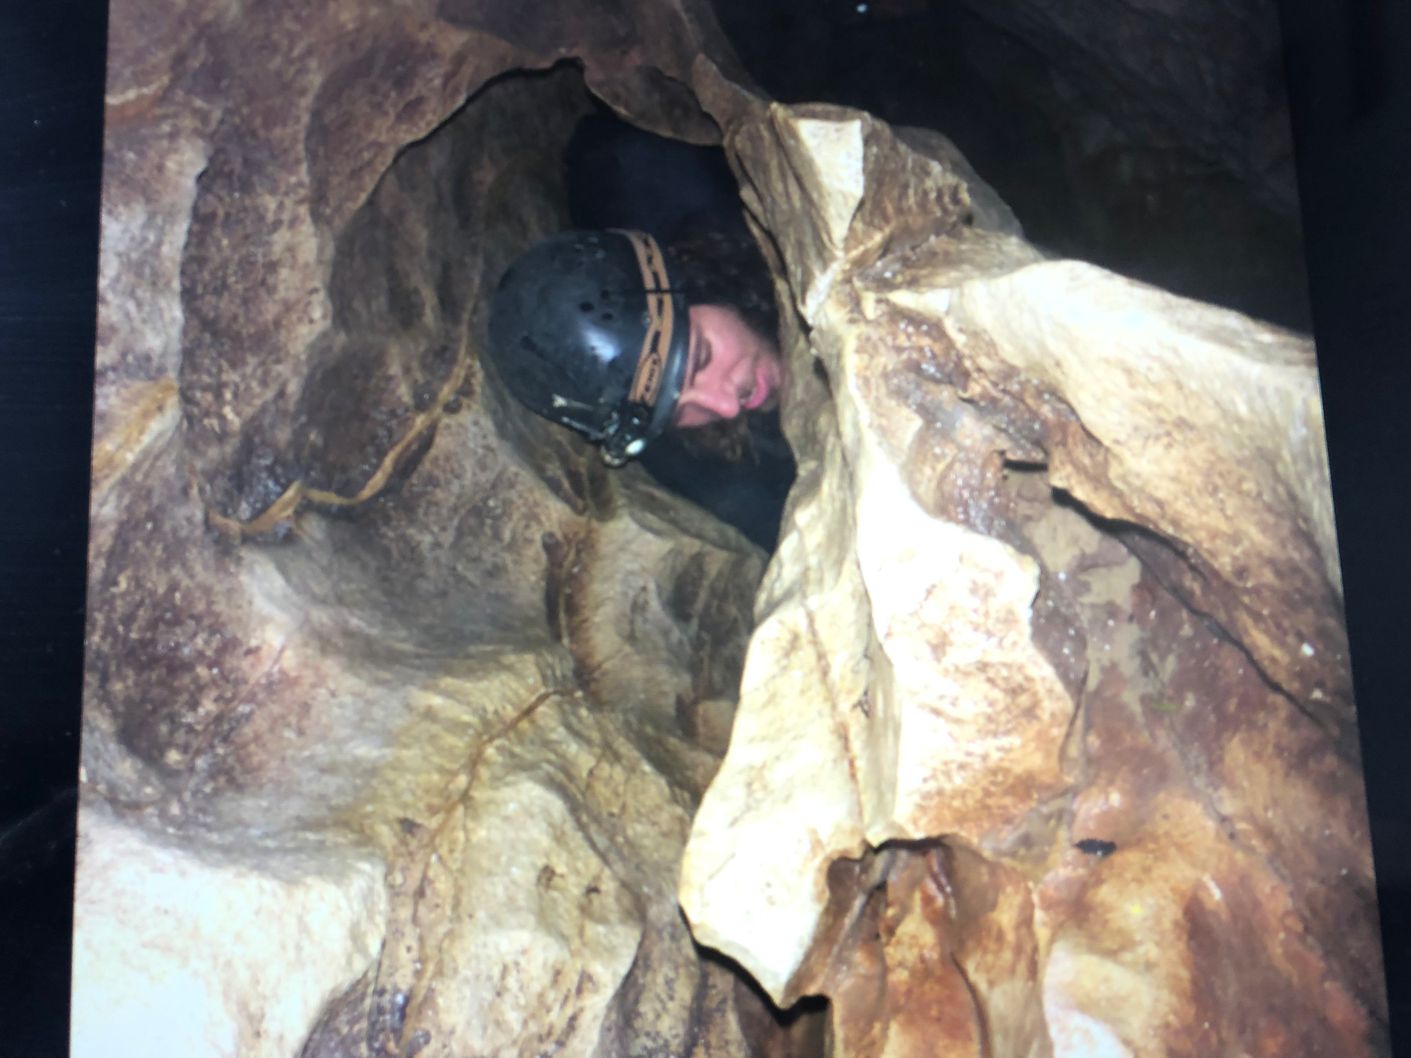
(1157, 147)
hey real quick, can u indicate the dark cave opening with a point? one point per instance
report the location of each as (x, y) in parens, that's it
(403, 292)
(1181, 177)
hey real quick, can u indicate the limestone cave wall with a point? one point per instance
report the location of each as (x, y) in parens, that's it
(411, 729)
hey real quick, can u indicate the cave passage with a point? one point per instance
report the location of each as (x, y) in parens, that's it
(405, 293)
(588, 169)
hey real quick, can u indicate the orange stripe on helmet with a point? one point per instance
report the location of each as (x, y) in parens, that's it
(661, 319)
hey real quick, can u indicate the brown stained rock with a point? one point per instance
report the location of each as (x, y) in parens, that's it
(951, 609)
(1307, 815)
(997, 945)
(673, 1001)
(398, 297)
(175, 668)
(1210, 430)
(345, 596)
(814, 161)
(895, 645)
(1172, 877)
(812, 691)
(988, 210)
(1056, 600)
(151, 183)
(195, 657)
(390, 76)
(589, 952)
(659, 677)
(561, 923)
(895, 985)
(928, 950)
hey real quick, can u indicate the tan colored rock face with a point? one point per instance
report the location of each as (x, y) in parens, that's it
(1055, 610)
(404, 706)
(395, 690)
(140, 989)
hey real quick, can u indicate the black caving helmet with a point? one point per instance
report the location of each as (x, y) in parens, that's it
(587, 329)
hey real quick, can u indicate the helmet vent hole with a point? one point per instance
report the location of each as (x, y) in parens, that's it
(585, 306)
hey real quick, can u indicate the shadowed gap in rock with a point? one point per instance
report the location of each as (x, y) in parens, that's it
(1142, 181)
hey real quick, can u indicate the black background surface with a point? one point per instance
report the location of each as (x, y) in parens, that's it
(1350, 92)
(51, 80)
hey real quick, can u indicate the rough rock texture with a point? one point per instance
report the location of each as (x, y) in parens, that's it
(1045, 734)
(145, 904)
(400, 707)
(398, 702)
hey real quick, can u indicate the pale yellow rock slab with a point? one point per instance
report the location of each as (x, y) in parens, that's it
(935, 669)
(881, 699)
(1211, 433)
(183, 951)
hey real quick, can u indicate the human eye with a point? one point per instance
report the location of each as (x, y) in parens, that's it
(703, 357)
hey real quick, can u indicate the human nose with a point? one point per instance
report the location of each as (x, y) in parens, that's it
(722, 402)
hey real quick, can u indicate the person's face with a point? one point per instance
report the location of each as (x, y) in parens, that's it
(730, 369)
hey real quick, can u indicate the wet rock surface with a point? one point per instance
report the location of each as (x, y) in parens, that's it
(401, 709)
(349, 606)
(1048, 711)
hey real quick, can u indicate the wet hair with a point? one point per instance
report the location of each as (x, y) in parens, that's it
(726, 268)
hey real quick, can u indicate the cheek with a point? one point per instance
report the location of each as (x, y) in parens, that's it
(732, 362)
(762, 351)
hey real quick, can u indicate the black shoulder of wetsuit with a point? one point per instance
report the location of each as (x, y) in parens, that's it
(748, 494)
